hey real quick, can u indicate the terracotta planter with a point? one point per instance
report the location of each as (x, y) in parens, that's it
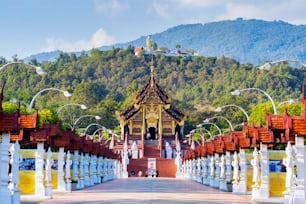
(53, 129)
(87, 146)
(17, 137)
(76, 143)
(61, 141)
(40, 135)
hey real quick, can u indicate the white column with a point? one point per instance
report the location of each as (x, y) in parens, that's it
(289, 162)
(92, 170)
(61, 184)
(75, 165)
(68, 174)
(125, 161)
(255, 178)
(264, 190)
(208, 170)
(199, 171)
(95, 177)
(190, 169)
(235, 164)
(228, 163)
(212, 171)
(14, 175)
(299, 194)
(4, 164)
(217, 172)
(178, 163)
(222, 185)
(49, 163)
(204, 170)
(81, 183)
(99, 169)
(242, 185)
(194, 169)
(86, 169)
(39, 170)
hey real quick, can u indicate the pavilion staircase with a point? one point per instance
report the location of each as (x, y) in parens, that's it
(165, 167)
(151, 149)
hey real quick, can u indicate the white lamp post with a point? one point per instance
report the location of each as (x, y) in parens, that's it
(227, 120)
(83, 116)
(219, 109)
(268, 65)
(238, 92)
(93, 124)
(290, 101)
(66, 93)
(201, 125)
(201, 128)
(39, 70)
(82, 106)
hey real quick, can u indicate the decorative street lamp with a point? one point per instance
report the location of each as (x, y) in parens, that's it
(201, 125)
(229, 123)
(238, 92)
(268, 65)
(202, 128)
(66, 93)
(290, 101)
(93, 124)
(83, 116)
(39, 70)
(219, 109)
(82, 106)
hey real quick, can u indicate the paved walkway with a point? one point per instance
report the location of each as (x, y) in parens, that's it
(143, 191)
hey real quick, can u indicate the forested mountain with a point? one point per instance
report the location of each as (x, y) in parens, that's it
(105, 81)
(247, 41)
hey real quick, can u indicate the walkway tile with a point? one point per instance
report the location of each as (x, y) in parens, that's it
(146, 190)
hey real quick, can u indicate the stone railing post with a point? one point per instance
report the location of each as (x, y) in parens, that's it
(235, 164)
(204, 170)
(217, 171)
(81, 183)
(99, 169)
(299, 194)
(68, 174)
(228, 163)
(242, 185)
(5, 194)
(39, 170)
(264, 190)
(255, 164)
(212, 171)
(289, 162)
(199, 170)
(14, 175)
(86, 169)
(75, 165)
(92, 169)
(61, 184)
(222, 185)
(49, 163)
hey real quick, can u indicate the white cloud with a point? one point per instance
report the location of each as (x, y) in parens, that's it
(161, 10)
(291, 11)
(198, 3)
(112, 7)
(98, 39)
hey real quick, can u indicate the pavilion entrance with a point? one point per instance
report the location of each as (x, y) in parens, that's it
(152, 133)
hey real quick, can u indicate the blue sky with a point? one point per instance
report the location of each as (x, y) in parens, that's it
(34, 26)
